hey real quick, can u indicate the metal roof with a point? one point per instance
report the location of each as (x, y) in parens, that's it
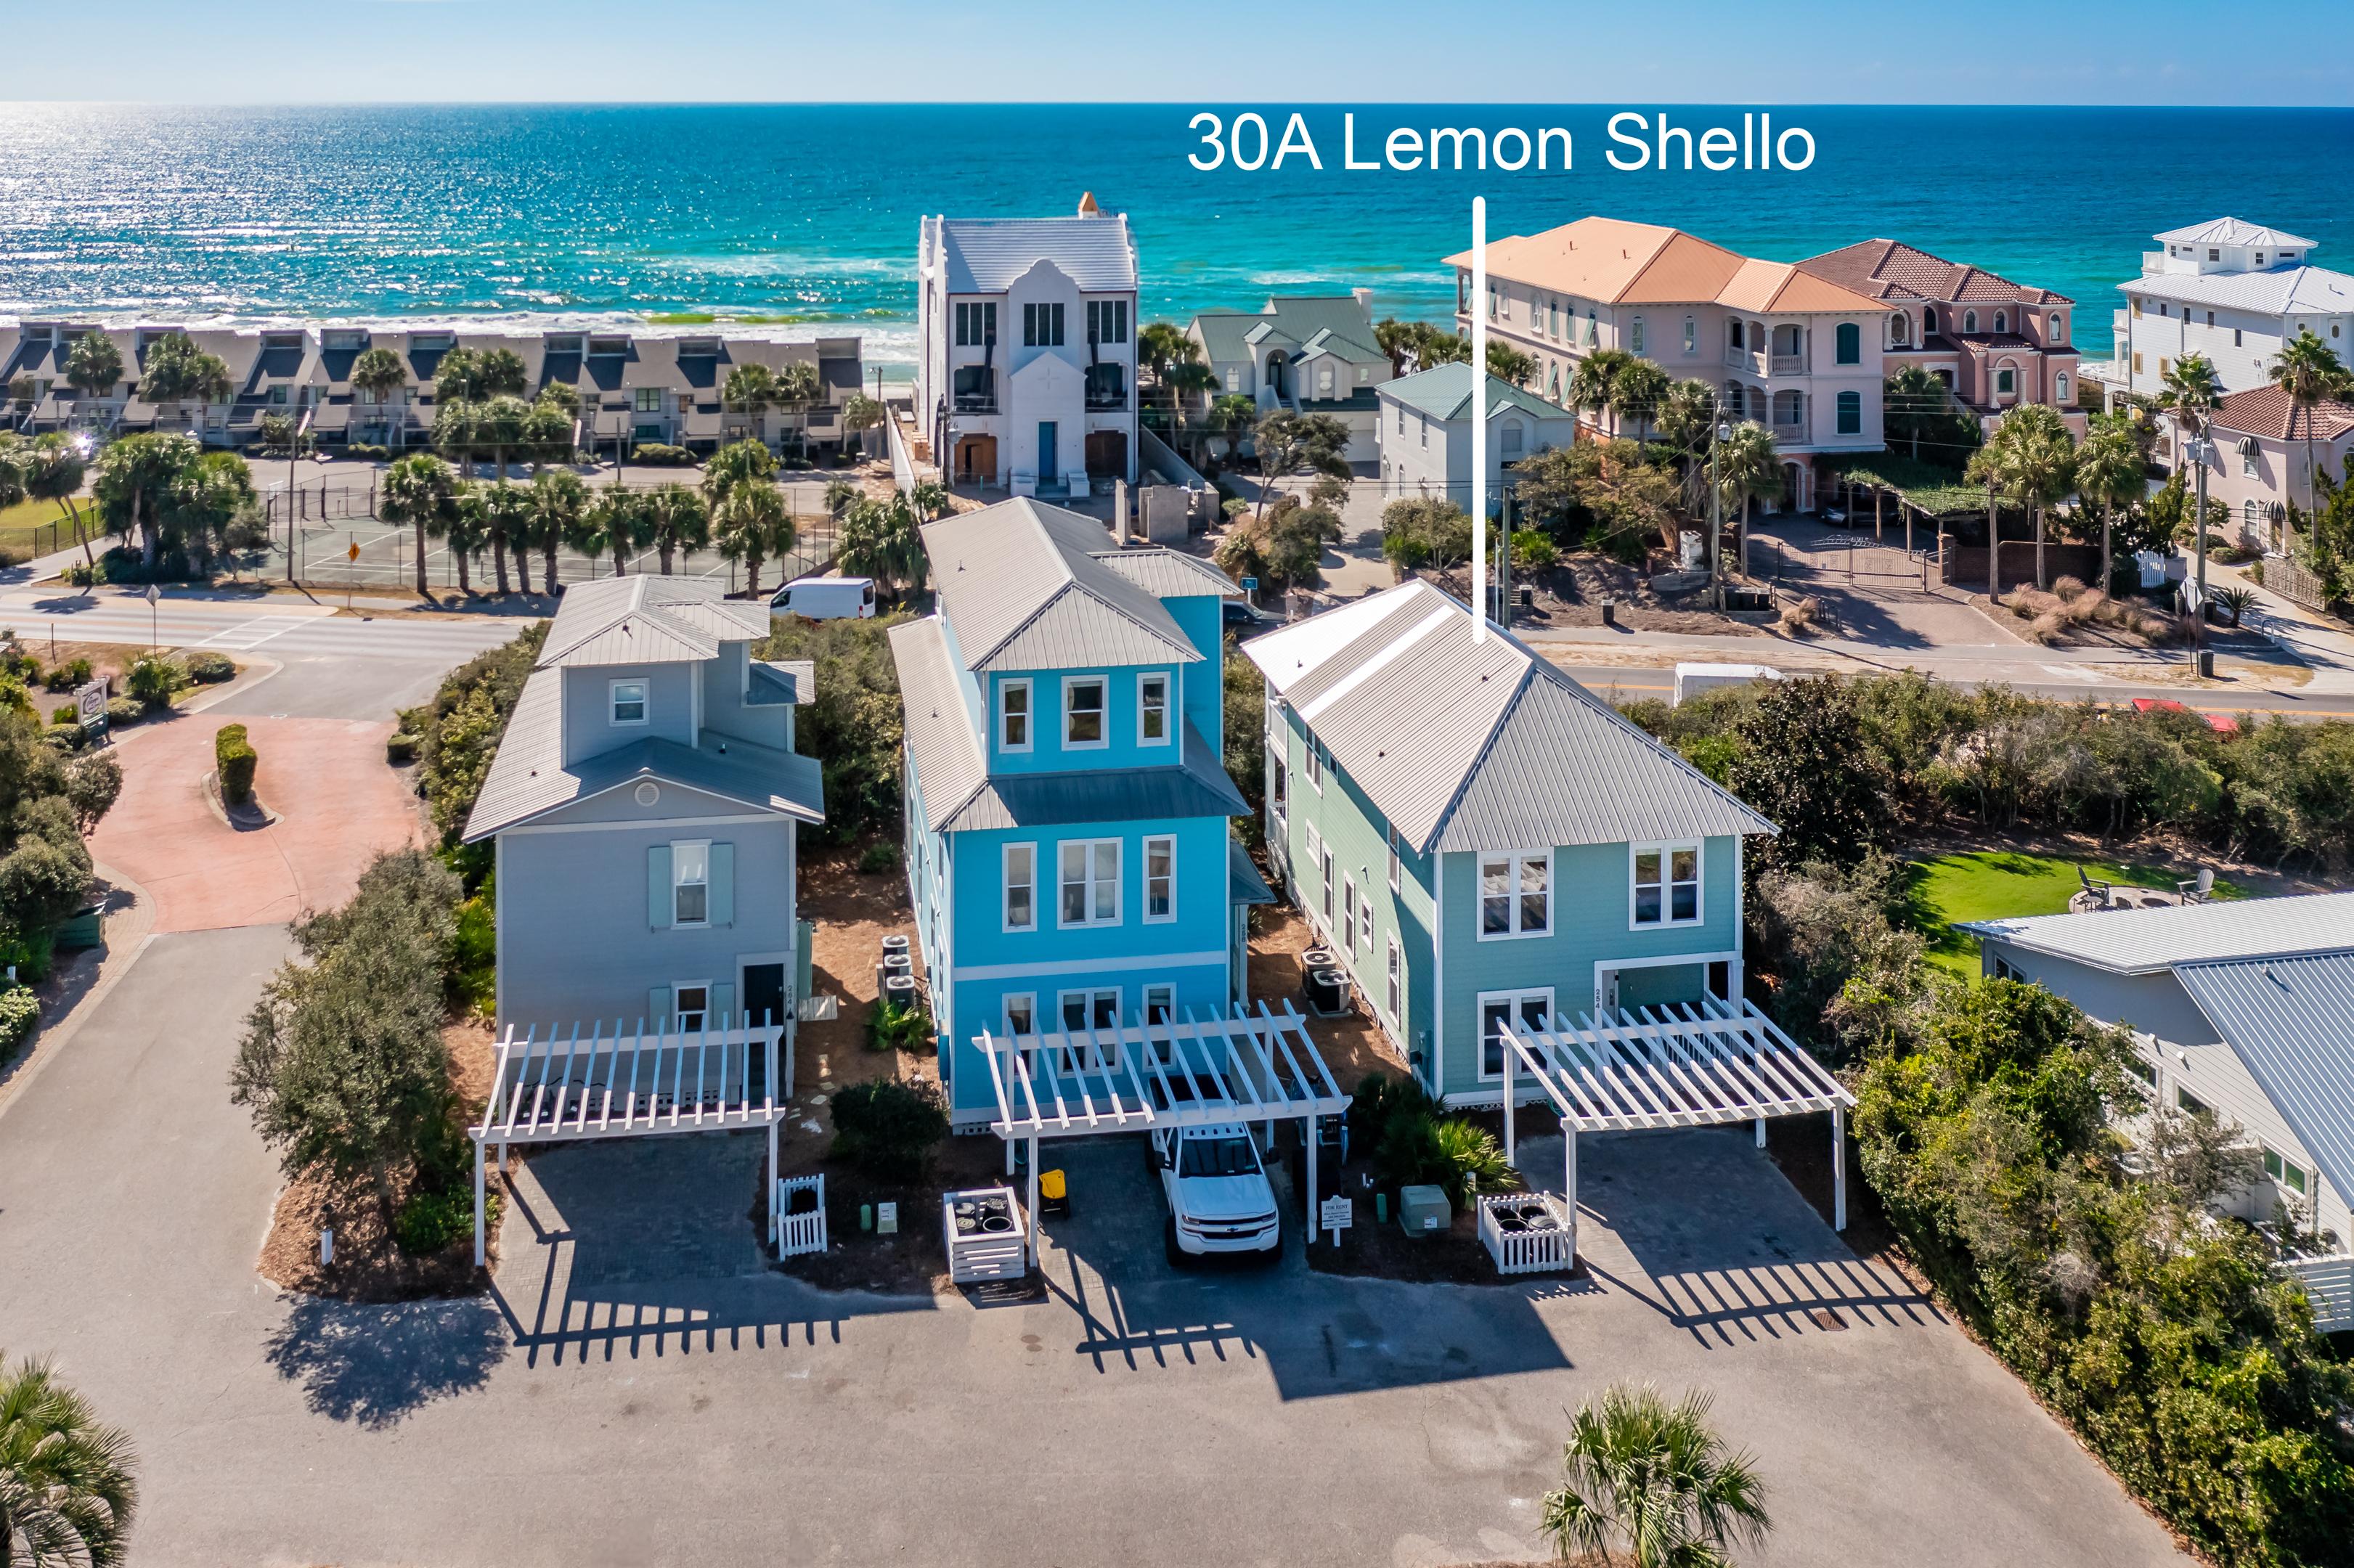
(528, 778)
(2233, 231)
(2274, 292)
(2144, 941)
(1026, 587)
(648, 619)
(2292, 1022)
(984, 256)
(1244, 884)
(1170, 574)
(1470, 744)
(1444, 392)
(1343, 322)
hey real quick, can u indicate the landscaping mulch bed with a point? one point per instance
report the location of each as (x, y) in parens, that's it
(912, 1262)
(1383, 1251)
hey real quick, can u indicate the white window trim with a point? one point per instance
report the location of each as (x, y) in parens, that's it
(1364, 914)
(678, 1014)
(1148, 917)
(1315, 763)
(1394, 983)
(1029, 716)
(1167, 718)
(1397, 860)
(675, 923)
(1479, 895)
(1118, 893)
(1348, 915)
(1102, 1056)
(1479, 1024)
(1005, 1010)
(1664, 849)
(1005, 887)
(645, 702)
(1103, 714)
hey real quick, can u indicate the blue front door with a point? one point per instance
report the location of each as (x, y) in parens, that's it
(1047, 469)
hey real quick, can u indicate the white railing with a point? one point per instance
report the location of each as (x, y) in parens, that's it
(1526, 1233)
(798, 1234)
(902, 463)
(1789, 363)
(2330, 1284)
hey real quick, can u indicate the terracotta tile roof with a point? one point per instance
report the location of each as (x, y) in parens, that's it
(1891, 270)
(1618, 262)
(2267, 411)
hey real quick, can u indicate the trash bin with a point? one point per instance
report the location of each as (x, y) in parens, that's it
(1054, 1193)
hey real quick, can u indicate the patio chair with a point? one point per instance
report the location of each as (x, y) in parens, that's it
(2197, 888)
(2102, 891)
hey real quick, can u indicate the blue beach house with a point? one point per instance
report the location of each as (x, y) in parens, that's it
(1481, 842)
(1068, 850)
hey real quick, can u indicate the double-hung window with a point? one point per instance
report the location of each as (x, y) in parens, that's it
(1667, 884)
(1365, 921)
(1515, 894)
(1635, 336)
(690, 882)
(1393, 859)
(1529, 1011)
(1324, 872)
(1084, 1012)
(1160, 879)
(1083, 713)
(1313, 761)
(1021, 1012)
(1394, 993)
(1013, 715)
(1020, 887)
(690, 1005)
(628, 699)
(1107, 321)
(2285, 1172)
(1348, 913)
(1041, 326)
(1153, 710)
(1313, 844)
(1090, 873)
(649, 399)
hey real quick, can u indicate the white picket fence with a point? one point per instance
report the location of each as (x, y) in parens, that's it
(1519, 1251)
(802, 1233)
(2330, 1284)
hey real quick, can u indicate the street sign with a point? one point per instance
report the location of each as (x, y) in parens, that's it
(90, 704)
(151, 596)
(1336, 1214)
(353, 553)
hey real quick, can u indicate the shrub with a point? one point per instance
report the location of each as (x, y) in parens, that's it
(20, 1014)
(892, 1027)
(2045, 628)
(65, 713)
(234, 755)
(367, 452)
(2066, 589)
(656, 454)
(854, 724)
(2233, 601)
(474, 954)
(429, 1222)
(1380, 1098)
(878, 858)
(206, 667)
(92, 785)
(1798, 616)
(66, 736)
(888, 1128)
(68, 675)
(399, 749)
(1476, 1158)
(120, 711)
(1418, 1149)
(152, 678)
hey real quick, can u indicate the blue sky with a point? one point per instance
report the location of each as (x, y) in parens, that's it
(1842, 52)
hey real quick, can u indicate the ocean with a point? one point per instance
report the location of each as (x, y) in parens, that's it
(805, 217)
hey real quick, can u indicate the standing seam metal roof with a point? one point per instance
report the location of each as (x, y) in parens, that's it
(647, 618)
(984, 256)
(2291, 1021)
(2144, 941)
(1025, 589)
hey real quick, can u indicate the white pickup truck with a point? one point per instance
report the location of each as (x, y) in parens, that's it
(1219, 1198)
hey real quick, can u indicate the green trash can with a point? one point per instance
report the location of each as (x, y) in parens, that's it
(85, 928)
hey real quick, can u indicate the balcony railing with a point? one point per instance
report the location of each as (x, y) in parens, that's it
(1107, 402)
(974, 403)
(1789, 432)
(2152, 261)
(1746, 359)
(1789, 363)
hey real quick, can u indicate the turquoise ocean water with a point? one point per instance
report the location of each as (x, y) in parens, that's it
(810, 213)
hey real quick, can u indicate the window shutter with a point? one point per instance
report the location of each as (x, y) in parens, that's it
(659, 910)
(658, 1004)
(723, 884)
(723, 1005)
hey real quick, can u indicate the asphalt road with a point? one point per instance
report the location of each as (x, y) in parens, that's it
(1624, 684)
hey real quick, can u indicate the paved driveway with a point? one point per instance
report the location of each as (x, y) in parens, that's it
(639, 1391)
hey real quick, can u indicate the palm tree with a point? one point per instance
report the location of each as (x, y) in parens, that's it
(506, 517)
(2189, 391)
(931, 500)
(680, 520)
(1232, 417)
(16, 463)
(558, 499)
(499, 372)
(135, 475)
(67, 1496)
(861, 414)
(618, 517)
(1159, 345)
(1748, 468)
(880, 539)
(1687, 420)
(798, 386)
(1914, 403)
(737, 462)
(53, 470)
(204, 498)
(1657, 1476)
(2032, 459)
(2108, 475)
(93, 365)
(1637, 393)
(418, 489)
(2311, 375)
(751, 524)
(1595, 382)
(465, 528)
(751, 390)
(838, 495)
(176, 371)
(1509, 364)
(377, 375)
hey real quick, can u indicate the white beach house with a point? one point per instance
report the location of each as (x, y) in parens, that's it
(2232, 290)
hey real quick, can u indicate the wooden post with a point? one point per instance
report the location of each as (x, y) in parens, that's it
(481, 1255)
(1309, 1203)
(1032, 1246)
(1838, 1168)
(1508, 1094)
(1569, 1180)
(1876, 493)
(775, 1222)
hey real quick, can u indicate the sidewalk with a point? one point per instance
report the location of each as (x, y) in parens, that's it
(2327, 645)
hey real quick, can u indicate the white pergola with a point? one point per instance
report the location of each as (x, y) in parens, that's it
(1238, 1066)
(627, 1083)
(1688, 1064)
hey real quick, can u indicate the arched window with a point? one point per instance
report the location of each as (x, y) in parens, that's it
(1732, 333)
(1635, 336)
(2057, 328)
(1553, 385)
(1900, 328)
(1692, 334)
(1850, 413)
(1969, 321)
(1928, 319)
(1851, 344)
(2001, 321)
(2060, 388)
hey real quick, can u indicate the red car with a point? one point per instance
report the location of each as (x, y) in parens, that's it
(2221, 723)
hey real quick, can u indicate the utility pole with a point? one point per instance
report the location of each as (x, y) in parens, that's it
(1479, 417)
(1716, 517)
(1504, 560)
(2201, 448)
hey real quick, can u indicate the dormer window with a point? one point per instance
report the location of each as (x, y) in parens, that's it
(1969, 321)
(629, 702)
(1900, 328)
(1083, 713)
(2057, 329)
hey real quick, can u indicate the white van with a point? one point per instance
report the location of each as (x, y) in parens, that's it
(1693, 679)
(827, 599)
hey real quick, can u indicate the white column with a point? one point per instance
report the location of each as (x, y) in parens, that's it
(481, 1256)
(1034, 1199)
(774, 1219)
(1009, 1157)
(1508, 1054)
(1761, 1132)
(1569, 1180)
(1309, 1202)
(1838, 1168)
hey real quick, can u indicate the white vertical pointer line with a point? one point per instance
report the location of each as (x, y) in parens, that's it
(1478, 418)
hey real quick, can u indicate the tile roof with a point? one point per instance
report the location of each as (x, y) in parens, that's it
(648, 619)
(1025, 586)
(2144, 941)
(1444, 392)
(1891, 270)
(2268, 411)
(528, 779)
(2232, 232)
(1618, 262)
(1467, 744)
(2291, 1021)
(984, 256)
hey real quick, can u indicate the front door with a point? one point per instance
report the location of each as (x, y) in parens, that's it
(1530, 1010)
(1106, 454)
(764, 995)
(1047, 469)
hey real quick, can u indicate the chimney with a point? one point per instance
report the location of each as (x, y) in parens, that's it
(1088, 208)
(1365, 296)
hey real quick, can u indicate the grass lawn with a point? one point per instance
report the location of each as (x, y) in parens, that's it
(25, 528)
(1992, 884)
